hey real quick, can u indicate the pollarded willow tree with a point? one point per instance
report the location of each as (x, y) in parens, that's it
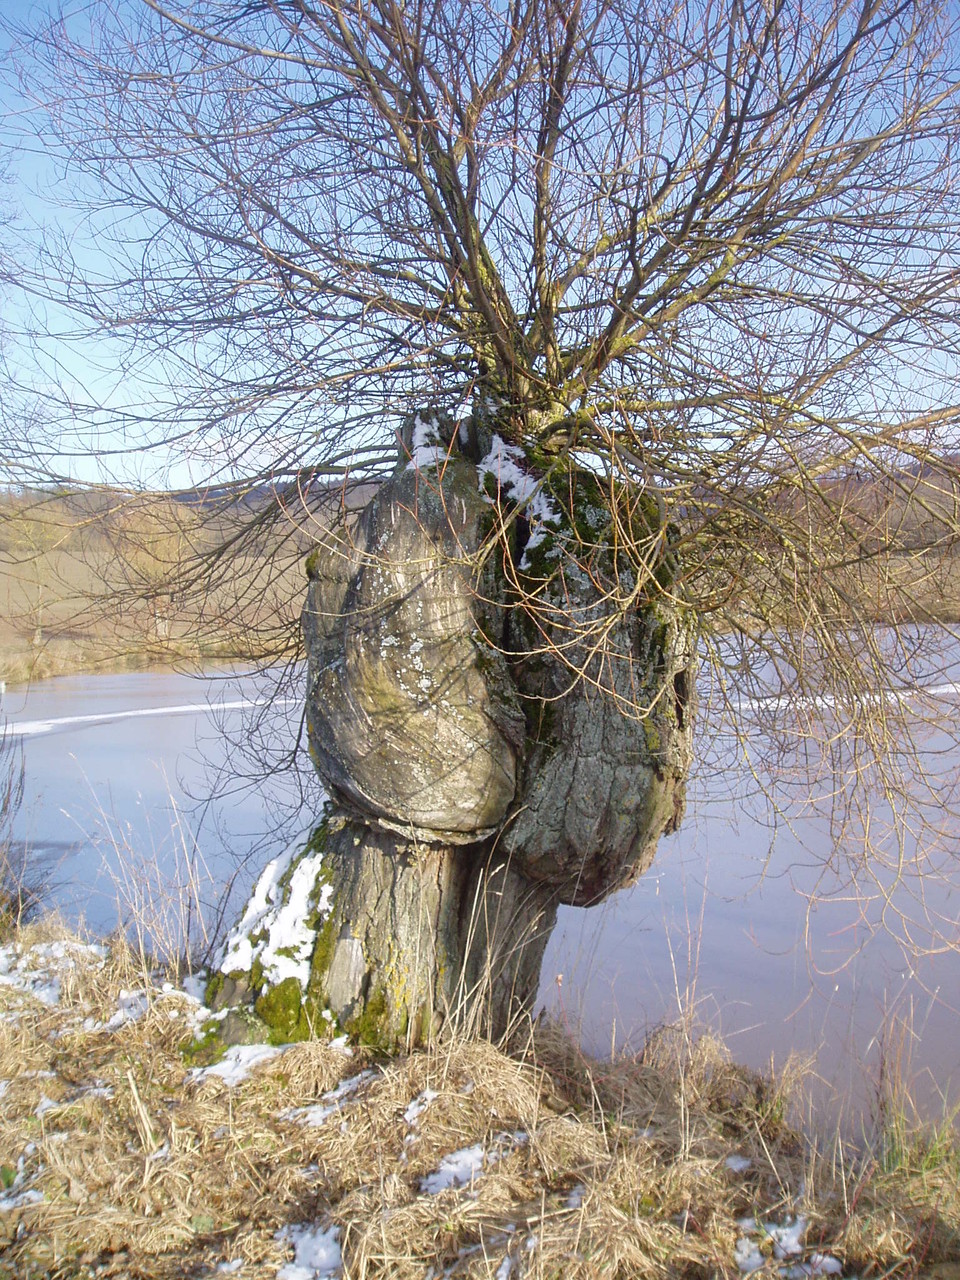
(643, 316)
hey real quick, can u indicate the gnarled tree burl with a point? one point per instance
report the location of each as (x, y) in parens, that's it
(492, 742)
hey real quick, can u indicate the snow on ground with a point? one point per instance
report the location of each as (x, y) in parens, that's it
(454, 1170)
(17, 1195)
(316, 1252)
(787, 1241)
(131, 1006)
(238, 1062)
(17, 1199)
(316, 1114)
(747, 1255)
(194, 985)
(37, 970)
(738, 1164)
(96, 1090)
(469, 1163)
(419, 1105)
(277, 915)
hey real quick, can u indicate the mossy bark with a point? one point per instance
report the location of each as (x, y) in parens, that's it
(421, 935)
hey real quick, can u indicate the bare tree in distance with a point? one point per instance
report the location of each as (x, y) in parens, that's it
(660, 301)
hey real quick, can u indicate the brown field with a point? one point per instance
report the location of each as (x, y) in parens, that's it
(102, 580)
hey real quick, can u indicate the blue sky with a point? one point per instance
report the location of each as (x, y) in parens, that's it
(52, 366)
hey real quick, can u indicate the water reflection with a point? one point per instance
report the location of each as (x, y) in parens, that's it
(134, 789)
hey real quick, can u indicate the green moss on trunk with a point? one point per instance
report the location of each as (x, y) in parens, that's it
(282, 1010)
(372, 1026)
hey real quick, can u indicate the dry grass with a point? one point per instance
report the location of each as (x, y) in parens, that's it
(592, 1169)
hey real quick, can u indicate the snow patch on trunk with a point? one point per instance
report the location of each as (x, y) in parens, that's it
(506, 464)
(274, 928)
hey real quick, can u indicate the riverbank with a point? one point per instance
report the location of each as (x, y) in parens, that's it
(122, 1155)
(21, 664)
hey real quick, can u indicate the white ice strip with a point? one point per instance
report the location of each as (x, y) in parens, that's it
(30, 728)
(238, 1062)
(316, 1252)
(828, 701)
(285, 940)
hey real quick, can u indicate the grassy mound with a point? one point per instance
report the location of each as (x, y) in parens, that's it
(119, 1159)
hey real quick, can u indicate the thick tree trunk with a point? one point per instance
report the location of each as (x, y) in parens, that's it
(390, 937)
(500, 704)
(419, 936)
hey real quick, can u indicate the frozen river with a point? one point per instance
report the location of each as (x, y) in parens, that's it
(135, 789)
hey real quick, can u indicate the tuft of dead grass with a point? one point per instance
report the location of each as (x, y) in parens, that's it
(117, 1160)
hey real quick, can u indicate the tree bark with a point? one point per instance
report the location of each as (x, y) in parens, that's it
(496, 734)
(421, 936)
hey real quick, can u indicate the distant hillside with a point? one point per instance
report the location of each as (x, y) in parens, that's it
(867, 545)
(101, 577)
